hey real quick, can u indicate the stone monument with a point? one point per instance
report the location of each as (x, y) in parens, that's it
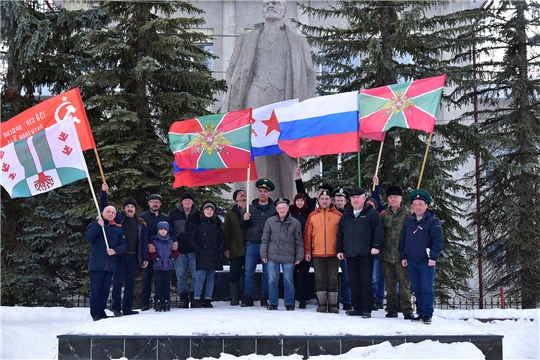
(271, 64)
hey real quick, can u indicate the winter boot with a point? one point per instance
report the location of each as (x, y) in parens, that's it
(166, 305)
(158, 306)
(333, 306)
(207, 303)
(264, 301)
(322, 296)
(195, 304)
(234, 294)
(248, 302)
(184, 301)
(191, 296)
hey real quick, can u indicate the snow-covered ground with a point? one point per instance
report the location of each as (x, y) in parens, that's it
(31, 333)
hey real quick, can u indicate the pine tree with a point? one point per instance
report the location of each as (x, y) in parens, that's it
(148, 73)
(43, 254)
(381, 34)
(506, 141)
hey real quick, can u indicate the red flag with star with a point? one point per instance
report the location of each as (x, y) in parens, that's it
(410, 105)
(66, 106)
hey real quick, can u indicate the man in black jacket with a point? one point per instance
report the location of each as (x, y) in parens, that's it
(152, 217)
(180, 219)
(360, 236)
(253, 221)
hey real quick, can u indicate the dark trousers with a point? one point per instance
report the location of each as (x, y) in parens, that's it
(360, 270)
(301, 280)
(163, 285)
(126, 269)
(148, 274)
(100, 285)
(326, 273)
(423, 281)
(236, 268)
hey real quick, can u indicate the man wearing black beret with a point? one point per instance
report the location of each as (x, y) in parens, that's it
(253, 222)
(360, 237)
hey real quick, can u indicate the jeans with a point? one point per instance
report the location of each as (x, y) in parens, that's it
(181, 266)
(203, 275)
(377, 280)
(100, 285)
(423, 280)
(126, 269)
(148, 274)
(288, 282)
(163, 285)
(253, 256)
(345, 289)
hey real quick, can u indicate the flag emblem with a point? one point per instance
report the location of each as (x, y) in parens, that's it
(397, 104)
(210, 140)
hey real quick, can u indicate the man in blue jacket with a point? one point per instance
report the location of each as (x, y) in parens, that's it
(102, 259)
(420, 246)
(136, 235)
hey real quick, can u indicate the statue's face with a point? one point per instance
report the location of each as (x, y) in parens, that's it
(274, 9)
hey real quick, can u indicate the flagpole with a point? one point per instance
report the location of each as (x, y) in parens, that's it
(359, 172)
(99, 165)
(99, 213)
(424, 162)
(247, 187)
(378, 163)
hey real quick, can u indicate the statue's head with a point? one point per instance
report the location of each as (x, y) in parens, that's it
(274, 9)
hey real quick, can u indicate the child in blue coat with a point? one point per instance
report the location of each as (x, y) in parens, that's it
(163, 260)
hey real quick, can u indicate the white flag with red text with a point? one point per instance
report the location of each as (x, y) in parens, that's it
(47, 160)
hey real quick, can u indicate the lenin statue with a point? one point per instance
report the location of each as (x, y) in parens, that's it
(271, 64)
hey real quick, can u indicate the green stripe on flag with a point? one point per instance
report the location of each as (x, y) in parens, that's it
(398, 120)
(368, 104)
(68, 175)
(240, 138)
(211, 119)
(43, 150)
(212, 161)
(25, 158)
(429, 102)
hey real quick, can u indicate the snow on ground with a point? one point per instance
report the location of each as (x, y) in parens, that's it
(31, 333)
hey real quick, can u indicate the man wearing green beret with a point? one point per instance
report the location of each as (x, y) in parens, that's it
(420, 246)
(253, 222)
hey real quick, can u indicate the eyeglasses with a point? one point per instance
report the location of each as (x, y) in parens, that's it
(154, 202)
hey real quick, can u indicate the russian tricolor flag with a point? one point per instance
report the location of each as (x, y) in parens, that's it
(320, 126)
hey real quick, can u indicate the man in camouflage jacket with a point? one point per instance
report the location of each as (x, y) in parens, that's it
(394, 273)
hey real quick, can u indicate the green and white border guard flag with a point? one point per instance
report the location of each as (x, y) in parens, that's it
(48, 160)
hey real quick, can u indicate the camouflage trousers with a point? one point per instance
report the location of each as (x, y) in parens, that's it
(397, 274)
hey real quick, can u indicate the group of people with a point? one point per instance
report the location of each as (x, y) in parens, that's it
(288, 238)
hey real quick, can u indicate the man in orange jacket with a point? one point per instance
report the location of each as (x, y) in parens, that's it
(320, 236)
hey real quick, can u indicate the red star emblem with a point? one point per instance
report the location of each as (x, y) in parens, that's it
(271, 124)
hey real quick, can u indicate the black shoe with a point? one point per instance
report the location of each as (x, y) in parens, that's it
(302, 304)
(195, 304)
(347, 307)
(408, 316)
(130, 312)
(145, 307)
(184, 300)
(248, 302)
(391, 314)
(353, 313)
(418, 318)
(379, 305)
(117, 313)
(272, 307)
(426, 320)
(97, 318)
(264, 301)
(289, 307)
(207, 303)
(374, 307)
(166, 305)
(366, 315)
(158, 306)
